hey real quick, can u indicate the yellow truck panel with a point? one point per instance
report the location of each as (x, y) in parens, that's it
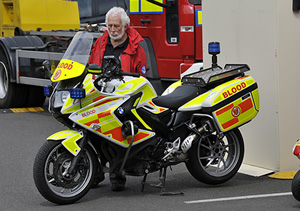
(38, 14)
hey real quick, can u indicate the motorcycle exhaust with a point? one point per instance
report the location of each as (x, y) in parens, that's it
(188, 141)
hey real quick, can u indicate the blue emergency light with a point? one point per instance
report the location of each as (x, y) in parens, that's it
(47, 91)
(213, 48)
(77, 93)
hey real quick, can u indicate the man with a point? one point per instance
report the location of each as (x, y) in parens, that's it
(122, 41)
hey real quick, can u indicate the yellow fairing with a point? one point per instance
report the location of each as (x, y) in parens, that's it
(69, 139)
(195, 104)
(100, 115)
(129, 86)
(108, 126)
(67, 69)
(92, 95)
(135, 86)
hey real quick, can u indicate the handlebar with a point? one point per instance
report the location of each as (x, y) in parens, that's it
(130, 74)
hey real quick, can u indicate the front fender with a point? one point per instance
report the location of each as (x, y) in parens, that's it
(69, 139)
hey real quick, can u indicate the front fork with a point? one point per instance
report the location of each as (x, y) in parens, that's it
(74, 142)
(81, 144)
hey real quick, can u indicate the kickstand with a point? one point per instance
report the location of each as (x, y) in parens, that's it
(161, 184)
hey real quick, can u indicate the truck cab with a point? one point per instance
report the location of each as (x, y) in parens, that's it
(172, 30)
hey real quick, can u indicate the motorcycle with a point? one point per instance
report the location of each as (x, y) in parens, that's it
(296, 178)
(117, 123)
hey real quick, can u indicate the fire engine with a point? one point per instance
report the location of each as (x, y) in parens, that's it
(172, 30)
(32, 43)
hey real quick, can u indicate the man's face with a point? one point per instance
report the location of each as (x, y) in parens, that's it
(115, 28)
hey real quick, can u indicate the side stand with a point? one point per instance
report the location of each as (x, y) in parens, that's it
(161, 184)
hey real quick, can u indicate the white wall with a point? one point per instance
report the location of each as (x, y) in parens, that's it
(266, 36)
(288, 44)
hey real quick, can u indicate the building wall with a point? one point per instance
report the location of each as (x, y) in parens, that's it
(255, 32)
(288, 45)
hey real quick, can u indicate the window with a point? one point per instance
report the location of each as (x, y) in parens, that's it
(196, 2)
(85, 8)
(94, 11)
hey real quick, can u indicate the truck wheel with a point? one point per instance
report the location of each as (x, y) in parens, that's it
(11, 95)
(36, 97)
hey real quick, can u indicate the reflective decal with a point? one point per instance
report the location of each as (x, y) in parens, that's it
(198, 17)
(57, 74)
(88, 113)
(143, 70)
(234, 90)
(236, 111)
(145, 7)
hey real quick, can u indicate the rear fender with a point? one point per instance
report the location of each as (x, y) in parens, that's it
(69, 139)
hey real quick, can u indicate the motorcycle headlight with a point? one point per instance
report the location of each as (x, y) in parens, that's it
(60, 98)
(64, 96)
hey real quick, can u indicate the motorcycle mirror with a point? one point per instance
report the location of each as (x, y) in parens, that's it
(95, 69)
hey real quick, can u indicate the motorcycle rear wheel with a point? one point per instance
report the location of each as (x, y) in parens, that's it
(214, 161)
(51, 178)
(296, 186)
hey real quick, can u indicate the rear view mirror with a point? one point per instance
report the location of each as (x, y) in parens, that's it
(95, 69)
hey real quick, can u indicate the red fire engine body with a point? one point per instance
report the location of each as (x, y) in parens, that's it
(172, 30)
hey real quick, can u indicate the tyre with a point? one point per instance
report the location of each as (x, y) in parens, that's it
(11, 95)
(296, 186)
(215, 161)
(51, 177)
(36, 97)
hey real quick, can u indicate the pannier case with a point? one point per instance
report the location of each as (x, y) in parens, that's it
(232, 103)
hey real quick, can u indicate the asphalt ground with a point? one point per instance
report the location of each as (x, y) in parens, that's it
(24, 132)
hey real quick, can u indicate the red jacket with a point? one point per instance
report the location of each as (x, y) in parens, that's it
(133, 59)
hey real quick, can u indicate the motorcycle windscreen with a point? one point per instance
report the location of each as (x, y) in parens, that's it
(75, 58)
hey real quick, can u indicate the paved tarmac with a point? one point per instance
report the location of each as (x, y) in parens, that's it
(22, 134)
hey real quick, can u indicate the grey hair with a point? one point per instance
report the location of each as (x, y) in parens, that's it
(115, 11)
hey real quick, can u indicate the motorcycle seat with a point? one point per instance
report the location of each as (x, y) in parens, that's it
(178, 97)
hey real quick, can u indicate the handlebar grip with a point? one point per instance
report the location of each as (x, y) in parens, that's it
(130, 74)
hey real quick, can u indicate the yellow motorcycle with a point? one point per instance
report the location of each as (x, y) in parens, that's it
(117, 123)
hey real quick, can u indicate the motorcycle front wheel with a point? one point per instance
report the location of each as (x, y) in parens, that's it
(296, 186)
(214, 161)
(51, 177)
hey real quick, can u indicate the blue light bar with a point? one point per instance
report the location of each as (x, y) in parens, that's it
(77, 93)
(47, 91)
(213, 48)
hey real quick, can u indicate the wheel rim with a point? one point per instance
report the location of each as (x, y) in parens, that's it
(3, 80)
(55, 172)
(218, 157)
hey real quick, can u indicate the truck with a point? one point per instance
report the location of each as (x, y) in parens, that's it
(35, 34)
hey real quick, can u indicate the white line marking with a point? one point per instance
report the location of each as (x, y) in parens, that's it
(239, 198)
